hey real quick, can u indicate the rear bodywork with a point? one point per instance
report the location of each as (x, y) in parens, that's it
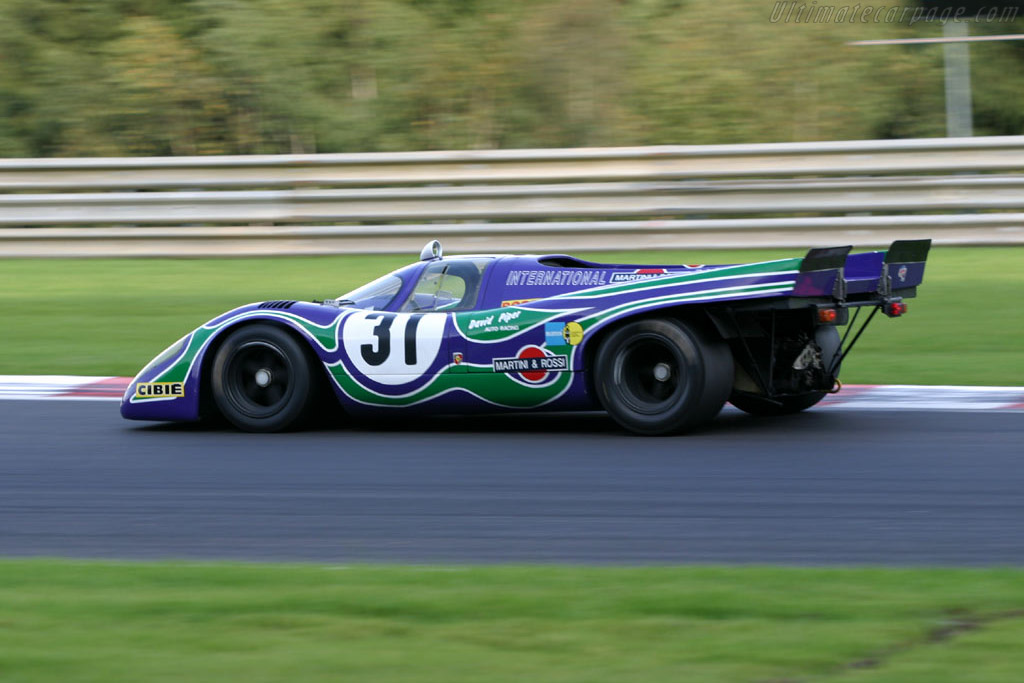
(530, 338)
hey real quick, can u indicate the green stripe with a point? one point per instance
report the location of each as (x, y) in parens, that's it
(768, 267)
(671, 298)
(493, 387)
(326, 335)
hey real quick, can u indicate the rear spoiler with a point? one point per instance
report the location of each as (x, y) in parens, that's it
(821, 273)
(902, 269)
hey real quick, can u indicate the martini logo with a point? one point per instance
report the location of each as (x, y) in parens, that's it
(533, 364)
(902, 273)
(159, 390)
(639, 274)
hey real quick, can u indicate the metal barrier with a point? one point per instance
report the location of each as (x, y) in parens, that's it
(789, 194)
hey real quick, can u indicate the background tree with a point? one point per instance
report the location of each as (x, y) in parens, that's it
(120, 77)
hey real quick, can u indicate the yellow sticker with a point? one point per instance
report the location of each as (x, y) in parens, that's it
(572, 333)
(159, 390)
(516, 302)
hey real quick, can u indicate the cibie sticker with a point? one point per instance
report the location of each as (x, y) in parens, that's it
(159, 390)
(533, 365)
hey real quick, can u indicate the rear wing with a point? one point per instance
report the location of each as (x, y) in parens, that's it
(903, 268)
(863, 278)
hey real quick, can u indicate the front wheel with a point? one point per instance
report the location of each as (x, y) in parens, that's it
(262, 380)
(662, 376)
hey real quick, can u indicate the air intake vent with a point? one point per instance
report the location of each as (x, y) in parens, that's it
(277, 304)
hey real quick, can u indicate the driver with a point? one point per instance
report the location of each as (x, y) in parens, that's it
(438, 287)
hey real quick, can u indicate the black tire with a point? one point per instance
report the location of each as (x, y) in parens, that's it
(662, 376)
(780, 405)
(262, 379)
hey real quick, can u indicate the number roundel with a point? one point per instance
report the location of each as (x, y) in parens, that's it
(392, 347)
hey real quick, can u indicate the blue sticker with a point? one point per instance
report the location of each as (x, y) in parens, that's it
(553, 334)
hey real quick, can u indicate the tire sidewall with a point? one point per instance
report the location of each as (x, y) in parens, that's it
(695, 400)
(293, 405)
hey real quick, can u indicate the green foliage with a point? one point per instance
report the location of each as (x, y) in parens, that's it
(120, 313)
(112, 77)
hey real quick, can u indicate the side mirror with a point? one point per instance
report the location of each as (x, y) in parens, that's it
(431, 251)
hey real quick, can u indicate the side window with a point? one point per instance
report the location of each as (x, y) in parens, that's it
(447, 286)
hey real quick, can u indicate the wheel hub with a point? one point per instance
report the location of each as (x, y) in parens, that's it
(662, 372)
(264, 377)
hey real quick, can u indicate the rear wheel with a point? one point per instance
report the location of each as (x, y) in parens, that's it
(662, 376)
(262, 379)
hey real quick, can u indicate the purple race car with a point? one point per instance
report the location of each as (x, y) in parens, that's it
(660, 348)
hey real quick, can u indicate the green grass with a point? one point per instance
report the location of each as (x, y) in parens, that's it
(111, 316)
(104, 622)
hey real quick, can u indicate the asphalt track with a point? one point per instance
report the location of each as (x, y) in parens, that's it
(821, 488)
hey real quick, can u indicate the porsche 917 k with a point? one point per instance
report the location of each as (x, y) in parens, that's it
(660, 348)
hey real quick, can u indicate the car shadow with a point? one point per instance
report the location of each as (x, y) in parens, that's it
(730, 420)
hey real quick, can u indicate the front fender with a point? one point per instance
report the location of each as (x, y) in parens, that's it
(169, 387)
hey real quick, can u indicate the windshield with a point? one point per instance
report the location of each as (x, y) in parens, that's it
(378, 294)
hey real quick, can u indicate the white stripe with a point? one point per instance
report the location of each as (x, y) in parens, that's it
(29, 387)
(674, 280)
(894, 397)
(917, 397)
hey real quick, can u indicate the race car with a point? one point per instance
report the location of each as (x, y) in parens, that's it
(660, 348)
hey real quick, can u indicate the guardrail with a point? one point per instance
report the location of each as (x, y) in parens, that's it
(790, 194)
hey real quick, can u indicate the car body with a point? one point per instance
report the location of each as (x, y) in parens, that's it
(661, 348)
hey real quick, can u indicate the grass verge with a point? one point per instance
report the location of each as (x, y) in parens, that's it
(111, 316)
(91, 621)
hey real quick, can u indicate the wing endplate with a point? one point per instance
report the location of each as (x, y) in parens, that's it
(821, 273)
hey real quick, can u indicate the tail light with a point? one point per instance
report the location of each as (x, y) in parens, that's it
(894, 309)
